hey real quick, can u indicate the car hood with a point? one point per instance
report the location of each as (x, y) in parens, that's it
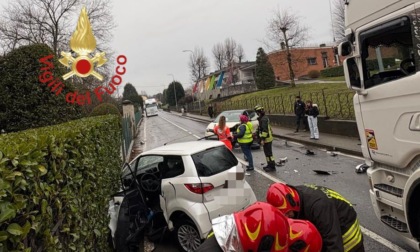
(229, 124)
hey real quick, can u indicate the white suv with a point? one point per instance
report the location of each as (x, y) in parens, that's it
(187, 185)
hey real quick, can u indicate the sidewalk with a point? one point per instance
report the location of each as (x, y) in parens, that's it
(339, 143)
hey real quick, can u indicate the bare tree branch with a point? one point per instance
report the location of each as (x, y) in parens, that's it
(219, 56)
(338, 19)
(240, 54)
(198, 64)
(285, 31)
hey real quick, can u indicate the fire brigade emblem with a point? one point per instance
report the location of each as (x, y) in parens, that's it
(83, 43)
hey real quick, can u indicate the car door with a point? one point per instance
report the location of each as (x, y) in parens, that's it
(223, 181)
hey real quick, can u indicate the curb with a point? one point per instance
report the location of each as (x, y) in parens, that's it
(309, 143)
(321, 145)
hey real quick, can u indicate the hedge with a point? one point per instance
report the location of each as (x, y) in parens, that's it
(373, 63)
(55, 184)
(105, 109)
(333, 72)
(25, 102)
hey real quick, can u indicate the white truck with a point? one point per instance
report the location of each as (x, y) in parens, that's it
(151, 107)
(383, 49)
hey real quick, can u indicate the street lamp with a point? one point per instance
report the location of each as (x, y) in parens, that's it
(173, 82)
(199, 96)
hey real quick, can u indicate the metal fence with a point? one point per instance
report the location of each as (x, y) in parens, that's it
(129, 129)
(331, 105)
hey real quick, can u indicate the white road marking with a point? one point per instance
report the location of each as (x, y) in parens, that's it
(176, 125)
(364, 230)
(381, 240)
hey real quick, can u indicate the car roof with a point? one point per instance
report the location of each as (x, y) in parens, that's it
(184, 148)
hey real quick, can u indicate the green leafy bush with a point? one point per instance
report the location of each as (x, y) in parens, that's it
(333, 72)
(105, 109)
(55, 184)
(373, 63)
(24, 101)
(313, 74)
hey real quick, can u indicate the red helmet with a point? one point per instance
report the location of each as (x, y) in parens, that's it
(304, 236)
(243, 118)
(284, 197)
(261, 227)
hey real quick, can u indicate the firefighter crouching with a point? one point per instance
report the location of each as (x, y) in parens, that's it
(331, 213)
(261, 228)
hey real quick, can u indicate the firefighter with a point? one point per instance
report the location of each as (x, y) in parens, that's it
(261, 228)
(333, 215)
(266, 135)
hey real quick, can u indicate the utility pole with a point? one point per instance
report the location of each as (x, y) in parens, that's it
(196, 82)
(173, 83)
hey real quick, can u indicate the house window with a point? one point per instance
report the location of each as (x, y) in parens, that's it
(311, 61)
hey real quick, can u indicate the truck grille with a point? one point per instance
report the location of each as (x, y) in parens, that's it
(390, 189)
(395, 224)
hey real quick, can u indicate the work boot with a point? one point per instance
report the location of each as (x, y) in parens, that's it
(249, 168)
(269, 169)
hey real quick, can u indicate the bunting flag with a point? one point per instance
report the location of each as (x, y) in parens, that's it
(195, 88)
(201, 86)
(211, 86)
(220, 80)
(207, 83)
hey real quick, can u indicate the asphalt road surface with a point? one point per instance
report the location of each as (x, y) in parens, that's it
(169, 128)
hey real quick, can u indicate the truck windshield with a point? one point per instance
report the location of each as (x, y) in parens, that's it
(387, 52)
(151, 105)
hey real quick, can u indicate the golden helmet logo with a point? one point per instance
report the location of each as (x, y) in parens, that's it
(253, 235)
(83, 42)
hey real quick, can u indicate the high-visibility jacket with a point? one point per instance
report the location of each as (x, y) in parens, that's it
(247, 137)
(224, 135)
(264, 128)
(333, 216)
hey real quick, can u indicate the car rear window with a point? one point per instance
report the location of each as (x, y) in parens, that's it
(213, 161)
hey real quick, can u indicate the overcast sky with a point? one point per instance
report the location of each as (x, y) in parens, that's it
(153, 33)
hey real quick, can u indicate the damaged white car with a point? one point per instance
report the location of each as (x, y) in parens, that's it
(179, 188)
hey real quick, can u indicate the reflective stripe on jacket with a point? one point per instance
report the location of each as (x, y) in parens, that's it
(333, 216)
(247, 138)
(266, 133)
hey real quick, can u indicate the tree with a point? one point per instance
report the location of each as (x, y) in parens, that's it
(219, 56)
(339, 20)
(198, 64)
(130, 93)
(180, 93)
(285, 30)
(164, 96)
(49, 22)
(240, 53)
(25, 101)
(264, 73)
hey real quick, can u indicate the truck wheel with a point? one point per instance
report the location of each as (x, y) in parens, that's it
(187, 236)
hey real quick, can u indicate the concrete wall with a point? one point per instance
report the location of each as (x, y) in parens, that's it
(238, 89)
(337, 127)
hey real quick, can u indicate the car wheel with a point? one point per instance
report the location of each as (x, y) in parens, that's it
(187, 236)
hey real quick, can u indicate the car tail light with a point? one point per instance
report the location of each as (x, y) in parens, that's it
(199, 188)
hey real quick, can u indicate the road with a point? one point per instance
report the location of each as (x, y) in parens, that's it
(169, 128)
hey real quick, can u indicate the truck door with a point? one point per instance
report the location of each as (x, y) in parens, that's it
(390, 102)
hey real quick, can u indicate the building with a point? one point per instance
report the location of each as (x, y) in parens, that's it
(304, 60)
(228, 81)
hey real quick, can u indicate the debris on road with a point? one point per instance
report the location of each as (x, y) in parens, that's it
(309, 153)
(320, 172)
(332, 153)
(361, 168)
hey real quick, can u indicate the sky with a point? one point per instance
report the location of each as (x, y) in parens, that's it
(153, 33)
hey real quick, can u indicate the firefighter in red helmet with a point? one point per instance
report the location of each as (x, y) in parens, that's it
(260, 228)
(333, 215)
(303, 236)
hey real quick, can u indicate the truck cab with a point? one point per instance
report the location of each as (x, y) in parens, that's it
(382, 67)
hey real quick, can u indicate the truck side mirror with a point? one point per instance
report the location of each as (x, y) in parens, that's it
(345, 48)
(351, 72)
